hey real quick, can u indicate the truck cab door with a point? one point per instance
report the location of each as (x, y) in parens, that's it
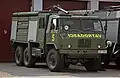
(51, 30)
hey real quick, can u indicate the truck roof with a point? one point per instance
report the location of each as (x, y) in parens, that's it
(95, 17)
(31, 13)
(17, 14)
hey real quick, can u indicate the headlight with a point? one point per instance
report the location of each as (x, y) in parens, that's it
(69, 46)
(99, 46)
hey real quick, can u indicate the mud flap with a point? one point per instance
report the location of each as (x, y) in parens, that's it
(93, 64)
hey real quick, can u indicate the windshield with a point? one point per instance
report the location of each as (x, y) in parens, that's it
(91, 25)
(77, 24)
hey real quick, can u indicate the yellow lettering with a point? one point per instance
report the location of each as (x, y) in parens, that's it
(98, 35)
(70, 35)
(74, 35)
(89, 35)
(53, 37)
(84, 35)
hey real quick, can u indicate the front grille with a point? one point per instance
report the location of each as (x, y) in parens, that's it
(83, 43)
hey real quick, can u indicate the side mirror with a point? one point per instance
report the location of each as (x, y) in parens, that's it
(55, 22)
(105, 28)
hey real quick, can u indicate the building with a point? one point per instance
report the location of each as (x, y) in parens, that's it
(10, 6)
(7, 8)
(74, 4)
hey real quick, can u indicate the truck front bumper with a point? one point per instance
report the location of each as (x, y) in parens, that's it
(83, 53)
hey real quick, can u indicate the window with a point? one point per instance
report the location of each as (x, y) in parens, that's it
(41, 23)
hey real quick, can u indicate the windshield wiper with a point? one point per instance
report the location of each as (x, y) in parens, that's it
(88, 29)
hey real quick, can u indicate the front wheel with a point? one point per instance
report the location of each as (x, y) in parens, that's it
(92, 65)
(54, 61)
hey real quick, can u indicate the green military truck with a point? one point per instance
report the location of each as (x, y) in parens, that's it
(57, 39)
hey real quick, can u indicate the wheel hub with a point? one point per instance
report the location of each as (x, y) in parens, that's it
(17, 56)
(52, 60)
(26, 57)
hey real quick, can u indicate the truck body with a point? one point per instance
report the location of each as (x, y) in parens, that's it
(57, 39)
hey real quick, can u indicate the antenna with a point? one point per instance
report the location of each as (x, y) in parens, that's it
(54, 7)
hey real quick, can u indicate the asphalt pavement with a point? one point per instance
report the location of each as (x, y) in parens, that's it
(42, 70)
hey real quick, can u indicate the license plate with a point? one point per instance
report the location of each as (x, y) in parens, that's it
(102, 51)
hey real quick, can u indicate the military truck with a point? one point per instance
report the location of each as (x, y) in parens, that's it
(57, 39)
(110, 18)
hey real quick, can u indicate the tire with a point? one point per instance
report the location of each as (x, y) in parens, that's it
(29, 61)
(92, 65)
(66, 63)
(54, 61)
(19, 56)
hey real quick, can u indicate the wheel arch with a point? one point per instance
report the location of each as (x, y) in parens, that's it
(50, 46)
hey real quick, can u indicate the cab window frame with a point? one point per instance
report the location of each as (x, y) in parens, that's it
(41, 22)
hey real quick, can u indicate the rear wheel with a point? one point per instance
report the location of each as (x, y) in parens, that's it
(54, 61)
(29, 61)
(92, 65)
(19, 56)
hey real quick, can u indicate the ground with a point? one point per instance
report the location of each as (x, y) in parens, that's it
(42, 70)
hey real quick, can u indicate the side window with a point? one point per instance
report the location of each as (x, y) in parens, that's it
(41, 23)
(54, 26)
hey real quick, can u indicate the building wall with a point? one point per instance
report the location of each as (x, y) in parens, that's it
(105, 4)
(7, 7)
(66, 4)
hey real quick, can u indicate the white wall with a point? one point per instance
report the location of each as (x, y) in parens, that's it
(102, 0)
(94, 4)
(37, 5)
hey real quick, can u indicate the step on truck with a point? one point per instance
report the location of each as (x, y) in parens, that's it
(57, 39)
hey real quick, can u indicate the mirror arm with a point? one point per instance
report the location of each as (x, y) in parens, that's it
(105, 28)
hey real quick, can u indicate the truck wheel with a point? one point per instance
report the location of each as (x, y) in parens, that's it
(92, 65)
(28, 60)
(66, 63)
(54, 61)
(117, 62)
(19, 56)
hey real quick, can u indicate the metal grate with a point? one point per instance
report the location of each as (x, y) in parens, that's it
(84, 43)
